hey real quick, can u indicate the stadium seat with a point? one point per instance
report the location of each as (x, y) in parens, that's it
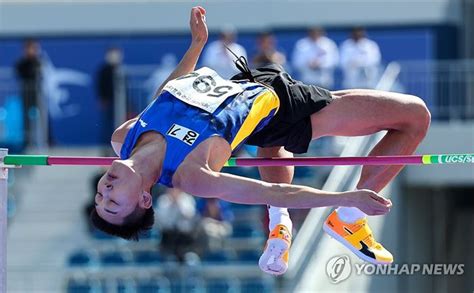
(126, 286)
(80, 258)
(194, 285)
(216, 257)
(188, 285)
(153, 285)
(223, 286)
(99, 235)
(246, 231)
(112, 258)
(250, 256)
(256, 285)
(147, 257)
(84, 286)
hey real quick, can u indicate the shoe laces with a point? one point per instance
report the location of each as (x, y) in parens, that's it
(369, 239)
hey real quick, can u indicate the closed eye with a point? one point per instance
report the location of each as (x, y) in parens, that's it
(113, 201)
(98, 196)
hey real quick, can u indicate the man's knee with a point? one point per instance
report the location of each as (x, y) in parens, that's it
(419, 117)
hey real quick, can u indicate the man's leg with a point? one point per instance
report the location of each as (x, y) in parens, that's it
(362, 112)
(274, 259)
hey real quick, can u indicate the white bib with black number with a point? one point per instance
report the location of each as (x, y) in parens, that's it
(202, 88)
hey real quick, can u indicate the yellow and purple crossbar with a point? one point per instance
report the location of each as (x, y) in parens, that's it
(43, 160)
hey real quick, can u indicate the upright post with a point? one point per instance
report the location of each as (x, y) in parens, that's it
(3, 221)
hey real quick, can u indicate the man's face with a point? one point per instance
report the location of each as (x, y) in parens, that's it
(267, 43)
(316, 33)
(31, 49)
(118, 193)
(358, 34)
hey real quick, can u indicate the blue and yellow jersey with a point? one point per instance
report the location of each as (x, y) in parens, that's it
(184, 126)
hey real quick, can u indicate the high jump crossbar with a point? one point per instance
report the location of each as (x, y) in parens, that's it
(45, 160)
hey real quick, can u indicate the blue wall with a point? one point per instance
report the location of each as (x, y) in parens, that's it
(80, 123)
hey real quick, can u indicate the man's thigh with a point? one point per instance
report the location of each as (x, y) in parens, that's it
(363, 112)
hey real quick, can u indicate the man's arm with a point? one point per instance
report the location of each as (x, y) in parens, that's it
(204, 182)
(187, 64)
(199, 35)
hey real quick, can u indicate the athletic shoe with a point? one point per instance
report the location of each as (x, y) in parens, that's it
(358, 238)
(274, 259)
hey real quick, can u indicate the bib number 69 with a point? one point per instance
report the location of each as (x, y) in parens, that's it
(206, 84)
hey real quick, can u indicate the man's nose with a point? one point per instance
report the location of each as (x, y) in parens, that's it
(108, 186)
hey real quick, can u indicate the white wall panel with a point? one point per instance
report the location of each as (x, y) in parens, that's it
(65, 17)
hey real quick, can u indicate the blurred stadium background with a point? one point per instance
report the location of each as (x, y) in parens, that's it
(427, 49)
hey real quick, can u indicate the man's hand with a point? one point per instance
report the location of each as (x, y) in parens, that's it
(198, 25)
(371, 203)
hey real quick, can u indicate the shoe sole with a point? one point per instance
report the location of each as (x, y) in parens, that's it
(275, 249)
(348, 245)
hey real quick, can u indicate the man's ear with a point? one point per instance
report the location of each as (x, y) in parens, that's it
(146, 200)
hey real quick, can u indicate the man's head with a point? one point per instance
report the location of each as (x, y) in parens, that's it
(31, 48)
(114, 56)
(123, 207)
(228, 35)
(266, 41)
(315, 33)
(358, 33)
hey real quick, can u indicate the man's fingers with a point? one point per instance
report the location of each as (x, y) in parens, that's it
(378, 212)
(203, 11)
(199, 16)
(381, 199)
(196, 15)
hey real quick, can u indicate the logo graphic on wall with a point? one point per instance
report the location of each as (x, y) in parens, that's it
(54, 80)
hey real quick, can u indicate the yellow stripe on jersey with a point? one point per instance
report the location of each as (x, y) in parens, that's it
(261, 108)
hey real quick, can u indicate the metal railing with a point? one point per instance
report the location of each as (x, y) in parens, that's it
(446, 86)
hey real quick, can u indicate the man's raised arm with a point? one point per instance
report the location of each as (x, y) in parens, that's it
(199, 33)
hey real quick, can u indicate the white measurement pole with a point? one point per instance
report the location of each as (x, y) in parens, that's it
(3, 221)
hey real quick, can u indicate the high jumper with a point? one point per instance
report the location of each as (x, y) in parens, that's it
(197, 119)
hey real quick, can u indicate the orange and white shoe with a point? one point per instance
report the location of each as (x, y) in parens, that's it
(358, 238)
(274, 259)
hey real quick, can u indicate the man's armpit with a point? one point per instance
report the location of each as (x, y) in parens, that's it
(117, 146)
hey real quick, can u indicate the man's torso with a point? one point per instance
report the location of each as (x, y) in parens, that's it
(186, 115)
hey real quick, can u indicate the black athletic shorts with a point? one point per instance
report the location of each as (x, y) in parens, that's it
(291, 126)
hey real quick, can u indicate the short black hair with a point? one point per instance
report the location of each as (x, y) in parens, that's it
(134, 225)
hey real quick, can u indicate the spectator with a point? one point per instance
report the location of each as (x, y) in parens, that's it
(219, 58)
(111, 91)
(176, 216)
(28, 71)
(267, 52)
(215, 224)
(360, 60)
(315, 58)
(166, 67)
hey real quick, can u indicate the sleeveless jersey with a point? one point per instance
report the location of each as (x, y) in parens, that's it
(200, 105)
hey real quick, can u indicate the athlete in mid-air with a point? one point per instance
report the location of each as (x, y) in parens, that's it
(187, 134)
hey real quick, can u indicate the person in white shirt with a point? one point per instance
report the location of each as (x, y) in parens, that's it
(315, 58)
(360, 60)
(217, 57)
(267, 51)
(176, 216)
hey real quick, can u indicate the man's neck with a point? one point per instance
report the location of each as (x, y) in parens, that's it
(147, 158)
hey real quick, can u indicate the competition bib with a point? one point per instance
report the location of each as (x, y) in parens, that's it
(202, 88)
